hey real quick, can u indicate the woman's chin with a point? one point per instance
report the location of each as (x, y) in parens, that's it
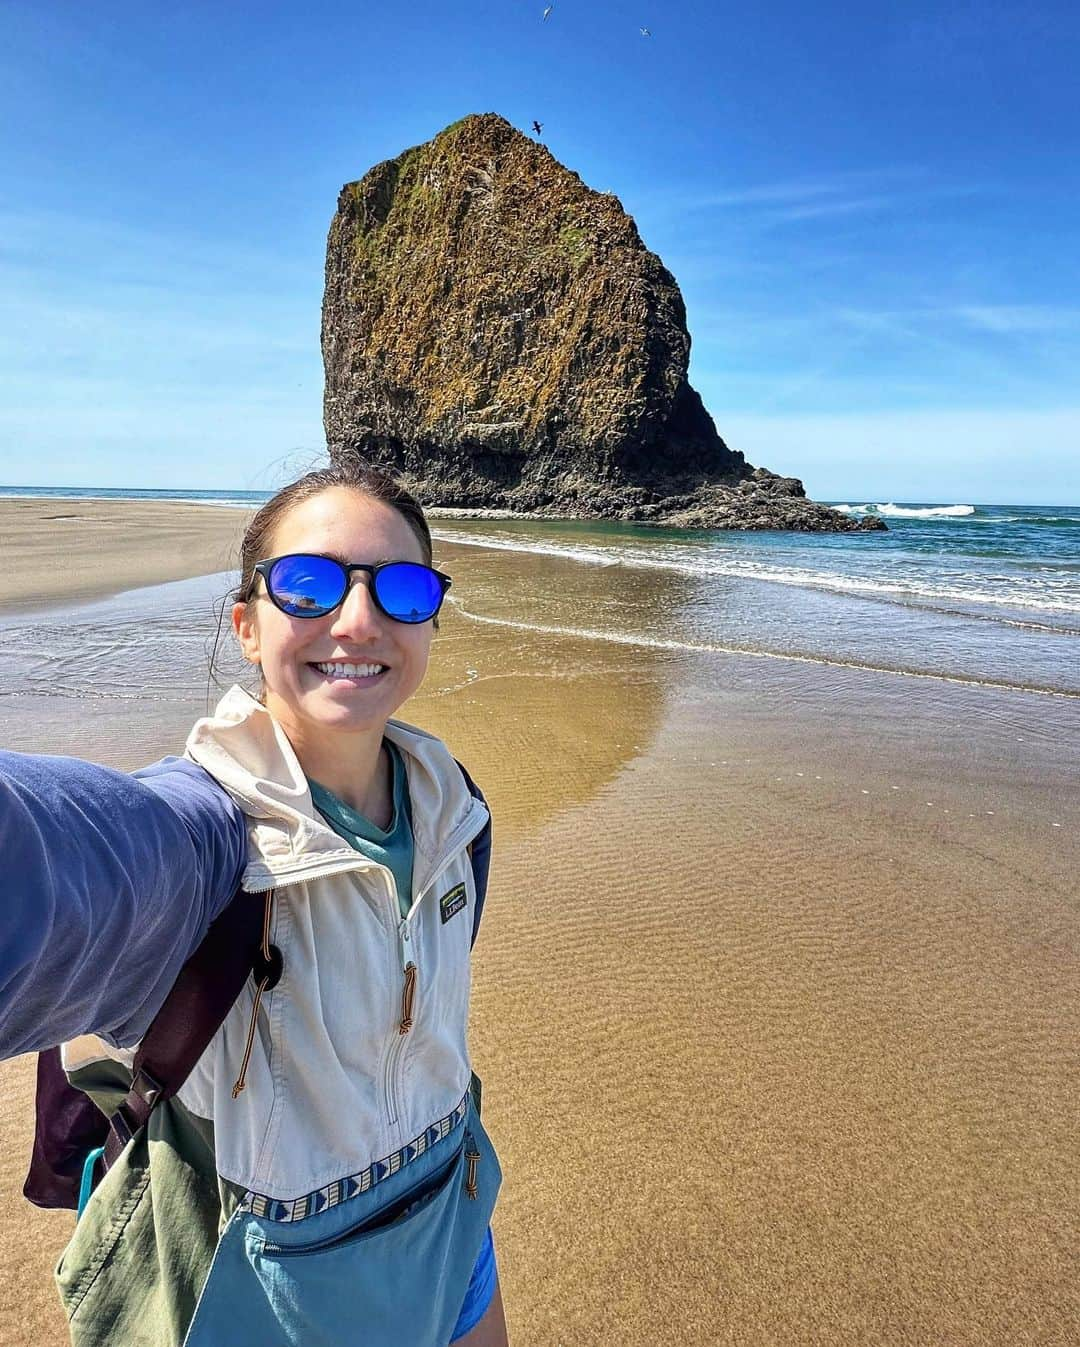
(325, 710)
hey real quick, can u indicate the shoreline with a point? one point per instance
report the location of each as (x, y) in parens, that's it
(97, 546)
(109, 546)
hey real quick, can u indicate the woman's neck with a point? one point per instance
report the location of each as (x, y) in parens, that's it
(357, 769)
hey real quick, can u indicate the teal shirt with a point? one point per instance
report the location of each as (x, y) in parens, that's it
(392, 848)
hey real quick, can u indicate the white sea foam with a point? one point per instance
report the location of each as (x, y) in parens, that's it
(891, 511)
(153, 498)
(1000, 591)
(1034, 519)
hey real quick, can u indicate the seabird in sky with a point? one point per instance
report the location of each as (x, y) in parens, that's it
(537, 127)
(645, 33)
(548, 10)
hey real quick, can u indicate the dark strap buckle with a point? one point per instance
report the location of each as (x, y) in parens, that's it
(137, 1106)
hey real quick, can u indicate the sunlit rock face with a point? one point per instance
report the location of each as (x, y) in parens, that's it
(497, 332)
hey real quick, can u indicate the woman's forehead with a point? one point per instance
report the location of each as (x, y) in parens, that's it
(347, 524)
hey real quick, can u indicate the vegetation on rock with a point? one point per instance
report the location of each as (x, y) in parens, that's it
(498, 333)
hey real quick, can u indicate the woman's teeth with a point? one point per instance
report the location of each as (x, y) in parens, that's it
(350, 670)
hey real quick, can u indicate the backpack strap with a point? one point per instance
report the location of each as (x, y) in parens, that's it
(205, 990)
(68, 1123)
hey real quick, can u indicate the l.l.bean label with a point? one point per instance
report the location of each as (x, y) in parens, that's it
(452, 902)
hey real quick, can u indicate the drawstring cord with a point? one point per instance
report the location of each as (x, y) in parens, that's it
(264, 982)
(407, 999)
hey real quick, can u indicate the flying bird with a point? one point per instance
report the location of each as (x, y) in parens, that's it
(645, 32)
(537, 127)
(548, 10)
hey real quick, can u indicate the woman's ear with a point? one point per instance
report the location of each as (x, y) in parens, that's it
(247, 632)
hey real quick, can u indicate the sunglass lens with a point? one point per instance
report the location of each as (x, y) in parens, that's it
(307, 586)
(409, 592)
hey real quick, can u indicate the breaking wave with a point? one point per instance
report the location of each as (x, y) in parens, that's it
(891, 511)
(1047, 520)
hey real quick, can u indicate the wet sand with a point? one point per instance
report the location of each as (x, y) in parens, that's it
(775, 1000)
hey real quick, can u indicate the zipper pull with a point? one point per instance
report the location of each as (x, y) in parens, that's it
(407, 999)
(268, 964)
(472, 1157)
(408, 967)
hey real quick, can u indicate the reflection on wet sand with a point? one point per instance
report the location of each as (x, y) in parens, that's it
(549, 720)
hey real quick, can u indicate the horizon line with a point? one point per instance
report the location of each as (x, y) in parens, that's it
(852, 498)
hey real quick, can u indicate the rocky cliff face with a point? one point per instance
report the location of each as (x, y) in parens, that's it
(498, 333)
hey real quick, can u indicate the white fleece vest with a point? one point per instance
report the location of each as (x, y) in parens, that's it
(332, 1084)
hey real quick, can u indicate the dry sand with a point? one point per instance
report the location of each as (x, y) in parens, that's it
(775, 1001)
(58, 550)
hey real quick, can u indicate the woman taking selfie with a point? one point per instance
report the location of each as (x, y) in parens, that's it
(321, 1175)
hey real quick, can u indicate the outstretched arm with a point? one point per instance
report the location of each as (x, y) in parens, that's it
(108, 882)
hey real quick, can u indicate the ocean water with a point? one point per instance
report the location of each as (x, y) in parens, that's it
(974, 593)
(979, 594)
(240, 499)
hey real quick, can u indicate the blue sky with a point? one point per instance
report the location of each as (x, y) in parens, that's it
(873, 213)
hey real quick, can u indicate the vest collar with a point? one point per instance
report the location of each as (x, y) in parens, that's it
(250, 756)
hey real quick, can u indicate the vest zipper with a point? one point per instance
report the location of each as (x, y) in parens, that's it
(410, 971)
(410, 974)
(407, 999)
(407, 1015)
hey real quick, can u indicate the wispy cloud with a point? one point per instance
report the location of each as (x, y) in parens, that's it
(784, 193)
(830, 356)
(165, 356)
(129, 307)
(43, 243)
(855, 205)
(916, 324)
(794, 199)
(944, 322)
(1016, 319)
(973, 454)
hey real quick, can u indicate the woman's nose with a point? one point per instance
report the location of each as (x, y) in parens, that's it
(358, 611)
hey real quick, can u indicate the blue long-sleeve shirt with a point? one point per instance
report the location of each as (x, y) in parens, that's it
(108, 882)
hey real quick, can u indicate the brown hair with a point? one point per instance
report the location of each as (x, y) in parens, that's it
(353, 472)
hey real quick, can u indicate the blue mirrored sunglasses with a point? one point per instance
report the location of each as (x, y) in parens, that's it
(304, 584)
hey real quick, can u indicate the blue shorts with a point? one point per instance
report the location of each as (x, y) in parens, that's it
(481, 1289)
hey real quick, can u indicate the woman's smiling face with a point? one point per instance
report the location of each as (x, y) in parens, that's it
(311, 705)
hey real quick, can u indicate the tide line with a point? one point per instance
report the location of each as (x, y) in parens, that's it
(653, 642)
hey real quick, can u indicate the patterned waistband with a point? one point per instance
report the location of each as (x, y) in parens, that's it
(341, 1190)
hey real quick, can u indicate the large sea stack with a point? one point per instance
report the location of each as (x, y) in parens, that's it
(497, 333)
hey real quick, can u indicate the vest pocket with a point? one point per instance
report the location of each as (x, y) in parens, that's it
(405, 1207)
(385, 1268)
